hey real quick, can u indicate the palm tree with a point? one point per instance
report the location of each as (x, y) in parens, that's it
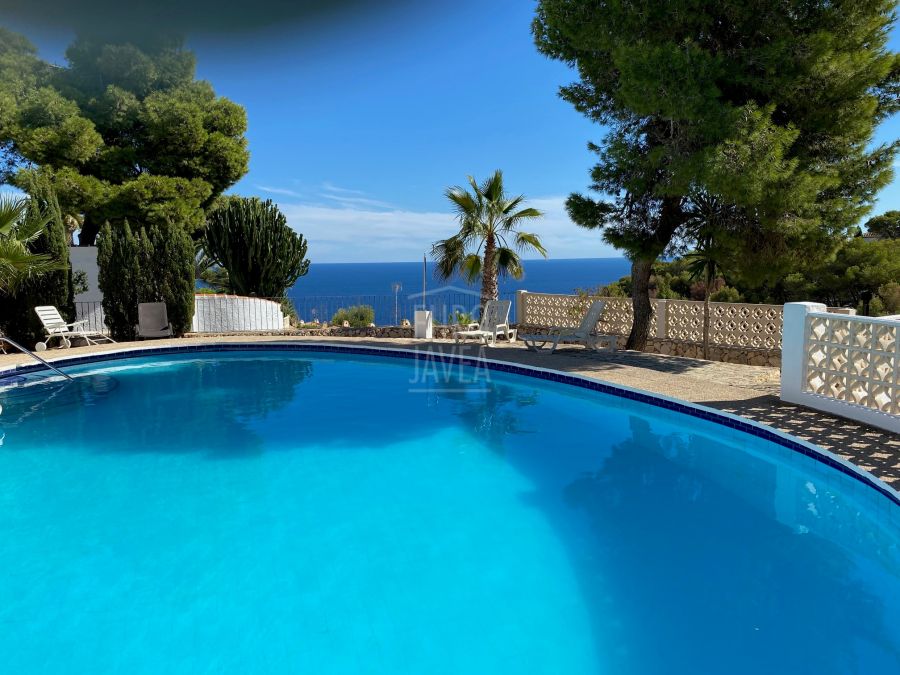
(709, 224)
(489, 242)
(19, 227)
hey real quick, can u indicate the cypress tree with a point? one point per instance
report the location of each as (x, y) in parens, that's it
(119, 260)
(55, 288)
(169, 275)
(154, 264)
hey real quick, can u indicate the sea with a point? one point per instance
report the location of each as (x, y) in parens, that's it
(395, 290)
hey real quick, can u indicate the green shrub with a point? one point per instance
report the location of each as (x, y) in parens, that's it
(727, 294)
(460, 318)
(146, 265)
(358, 316)
(890, 297)
(290, 311)
(80, 282)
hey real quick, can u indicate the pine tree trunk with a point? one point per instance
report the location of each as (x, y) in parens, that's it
(640, 300)
(670, 219)
(87, 235)
(489, 272)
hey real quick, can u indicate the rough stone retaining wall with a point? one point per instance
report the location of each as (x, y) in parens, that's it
(694, 350)
(440, 332)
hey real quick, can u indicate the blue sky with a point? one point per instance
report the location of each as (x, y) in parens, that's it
(356, 131)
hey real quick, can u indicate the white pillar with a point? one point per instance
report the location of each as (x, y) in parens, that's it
(520, 307)
(662, 322)
(793, 348)
(423, 324)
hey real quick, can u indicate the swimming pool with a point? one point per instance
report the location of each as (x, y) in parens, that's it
(263, 511)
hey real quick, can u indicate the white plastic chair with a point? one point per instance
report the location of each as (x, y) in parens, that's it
(586, 333)
(494, 323)
(56, 327)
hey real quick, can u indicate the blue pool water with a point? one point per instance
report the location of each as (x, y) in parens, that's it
(267, 512)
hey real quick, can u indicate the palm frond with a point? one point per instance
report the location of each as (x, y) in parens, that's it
(448, 254)
(20, 227)
(509, 263)
(33, 226)
(530, 241)
(18, 265)
(471, 267)
(510, 205)
(463, 202)
(492, 189)
(511, 220)
(12, 212)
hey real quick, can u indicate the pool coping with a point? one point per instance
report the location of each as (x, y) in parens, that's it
(697, 410)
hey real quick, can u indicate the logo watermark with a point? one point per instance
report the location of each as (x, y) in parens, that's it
(445, 373)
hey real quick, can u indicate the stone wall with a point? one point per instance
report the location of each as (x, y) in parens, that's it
(727, 354)
(440, 332)
(694, 350)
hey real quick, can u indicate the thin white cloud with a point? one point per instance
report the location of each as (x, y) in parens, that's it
(331, 187)
(279, 191)
(329, 194)
(363, 234)
(351, 202)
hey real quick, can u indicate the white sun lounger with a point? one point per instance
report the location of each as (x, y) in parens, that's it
(56, 327)
(153, 320)
(586, 333)
(494, 323)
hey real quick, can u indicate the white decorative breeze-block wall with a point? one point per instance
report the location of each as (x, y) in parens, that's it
(235, 314)
(846, 365)
(730, 324)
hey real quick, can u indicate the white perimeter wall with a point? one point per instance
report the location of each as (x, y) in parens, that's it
(85, 258)
(232, 313)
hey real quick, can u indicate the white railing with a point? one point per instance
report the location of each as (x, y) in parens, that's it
(731, 324)
(846, 365)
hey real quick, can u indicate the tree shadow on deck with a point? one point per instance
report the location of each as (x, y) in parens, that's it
(873, 449)
(580, 359)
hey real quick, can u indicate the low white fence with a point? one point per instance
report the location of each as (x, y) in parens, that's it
(846, 365)
(235, 314)
(731, 324)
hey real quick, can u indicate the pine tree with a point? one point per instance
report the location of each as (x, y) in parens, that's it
(768, 106)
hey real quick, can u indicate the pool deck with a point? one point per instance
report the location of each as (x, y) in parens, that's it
(749, 391)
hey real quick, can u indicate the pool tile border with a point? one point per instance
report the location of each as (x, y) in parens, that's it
(694, 410)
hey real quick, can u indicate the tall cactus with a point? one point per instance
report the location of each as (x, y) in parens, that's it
(253, 242)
